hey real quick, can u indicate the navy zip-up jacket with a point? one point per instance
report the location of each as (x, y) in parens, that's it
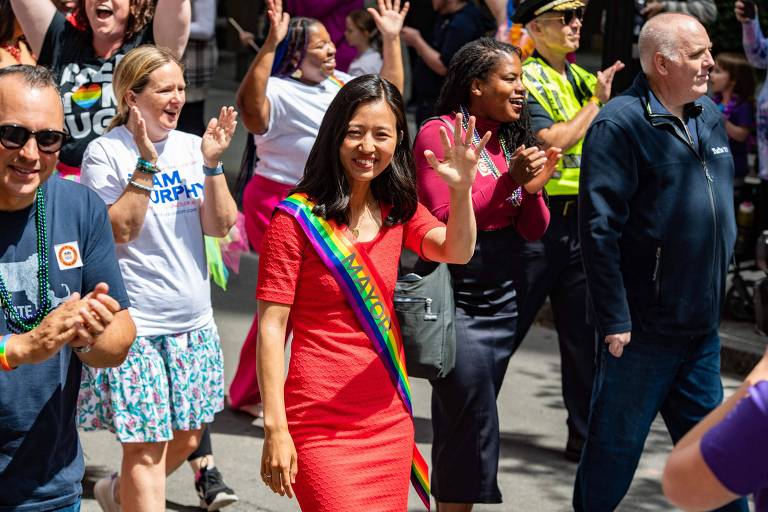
(656, 216)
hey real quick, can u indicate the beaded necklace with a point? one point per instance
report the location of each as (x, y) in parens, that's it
(16, 323)
(14, 48)
(517, 196)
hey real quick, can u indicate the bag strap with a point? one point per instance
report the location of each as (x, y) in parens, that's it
(369, 300)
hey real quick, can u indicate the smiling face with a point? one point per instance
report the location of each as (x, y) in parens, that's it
(370, 141)
(549, 31)
(24, 169)
(502, 95)
(320, 60)
(161, 100)
(108, 18)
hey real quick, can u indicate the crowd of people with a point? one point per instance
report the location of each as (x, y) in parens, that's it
(529, 176)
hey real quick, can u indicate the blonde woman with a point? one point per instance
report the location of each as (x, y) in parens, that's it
(165, 189)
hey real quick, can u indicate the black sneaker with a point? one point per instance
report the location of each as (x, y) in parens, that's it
(214, 493)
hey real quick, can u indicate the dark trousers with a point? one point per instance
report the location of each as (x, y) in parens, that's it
(678, 377)
(551, 267)
(465, 421)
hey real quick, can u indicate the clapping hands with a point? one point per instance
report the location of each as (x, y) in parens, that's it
(532, 167)
(218, 136)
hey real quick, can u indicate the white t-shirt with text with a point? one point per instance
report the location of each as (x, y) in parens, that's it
(295, 113)
(165, 269)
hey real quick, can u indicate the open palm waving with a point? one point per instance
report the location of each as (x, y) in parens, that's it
(459, 164)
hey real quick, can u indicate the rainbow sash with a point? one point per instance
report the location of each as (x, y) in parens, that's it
(369, 300)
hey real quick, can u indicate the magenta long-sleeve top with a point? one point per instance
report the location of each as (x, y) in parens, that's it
(490, 195)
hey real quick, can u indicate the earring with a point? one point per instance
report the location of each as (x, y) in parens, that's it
(297, 74)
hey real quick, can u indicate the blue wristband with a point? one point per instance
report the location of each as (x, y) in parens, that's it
(213, 171)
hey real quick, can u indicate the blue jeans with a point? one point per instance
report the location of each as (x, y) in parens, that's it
(676, 376)
(75, 507)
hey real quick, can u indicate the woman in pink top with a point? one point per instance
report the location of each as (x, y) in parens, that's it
(484, 80)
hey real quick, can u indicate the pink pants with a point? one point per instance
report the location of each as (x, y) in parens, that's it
(260, 197)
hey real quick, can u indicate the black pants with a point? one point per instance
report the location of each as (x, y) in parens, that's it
(552, 267)
(465, 421)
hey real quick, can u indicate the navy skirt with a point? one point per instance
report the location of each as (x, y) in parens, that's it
(465, 422)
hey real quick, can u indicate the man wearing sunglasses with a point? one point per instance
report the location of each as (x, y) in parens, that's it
(55, 245)
(563, 99)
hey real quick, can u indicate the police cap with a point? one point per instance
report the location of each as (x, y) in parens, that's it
(531, 9)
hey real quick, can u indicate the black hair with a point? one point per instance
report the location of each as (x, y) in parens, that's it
(475, 61)
(324, 179)
(7, 19)
(295, 42)
(36, 77)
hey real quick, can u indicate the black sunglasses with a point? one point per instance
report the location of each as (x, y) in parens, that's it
(566, 17)
(13, 136)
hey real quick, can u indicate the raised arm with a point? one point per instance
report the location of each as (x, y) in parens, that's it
(389, 21)
(219, 211)
(128, 212)
(755, 45)
(567, 133)
(252, 101)
(455, 243)
(170, 26)
(35, 17)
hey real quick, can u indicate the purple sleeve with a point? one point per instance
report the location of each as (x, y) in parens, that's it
(736, 449)
(743, 115)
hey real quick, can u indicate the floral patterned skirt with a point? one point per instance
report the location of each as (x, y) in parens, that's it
(170, 382)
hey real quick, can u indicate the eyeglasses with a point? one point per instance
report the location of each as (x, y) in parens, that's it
(566, 17)
(13, 136)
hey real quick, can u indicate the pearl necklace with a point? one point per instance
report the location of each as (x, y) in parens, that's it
(15, 322)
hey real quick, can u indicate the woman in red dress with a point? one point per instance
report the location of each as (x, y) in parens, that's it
(337, 433)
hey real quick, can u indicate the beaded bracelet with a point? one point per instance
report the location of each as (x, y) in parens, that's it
(146, 166)
(3, 361)
(140, 186)
(213, 171)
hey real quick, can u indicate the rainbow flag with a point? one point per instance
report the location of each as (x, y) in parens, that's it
(372, 305)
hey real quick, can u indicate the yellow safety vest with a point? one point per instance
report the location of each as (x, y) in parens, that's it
(555, 94)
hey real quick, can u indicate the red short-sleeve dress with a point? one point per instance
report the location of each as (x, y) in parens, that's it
(353, 434)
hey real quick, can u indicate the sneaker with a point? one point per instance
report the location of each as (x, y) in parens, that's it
(104, 492)
(213, 492)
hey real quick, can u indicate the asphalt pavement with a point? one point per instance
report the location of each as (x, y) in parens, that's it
(533, 475)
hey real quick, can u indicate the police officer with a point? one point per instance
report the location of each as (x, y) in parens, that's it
(564, 99)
